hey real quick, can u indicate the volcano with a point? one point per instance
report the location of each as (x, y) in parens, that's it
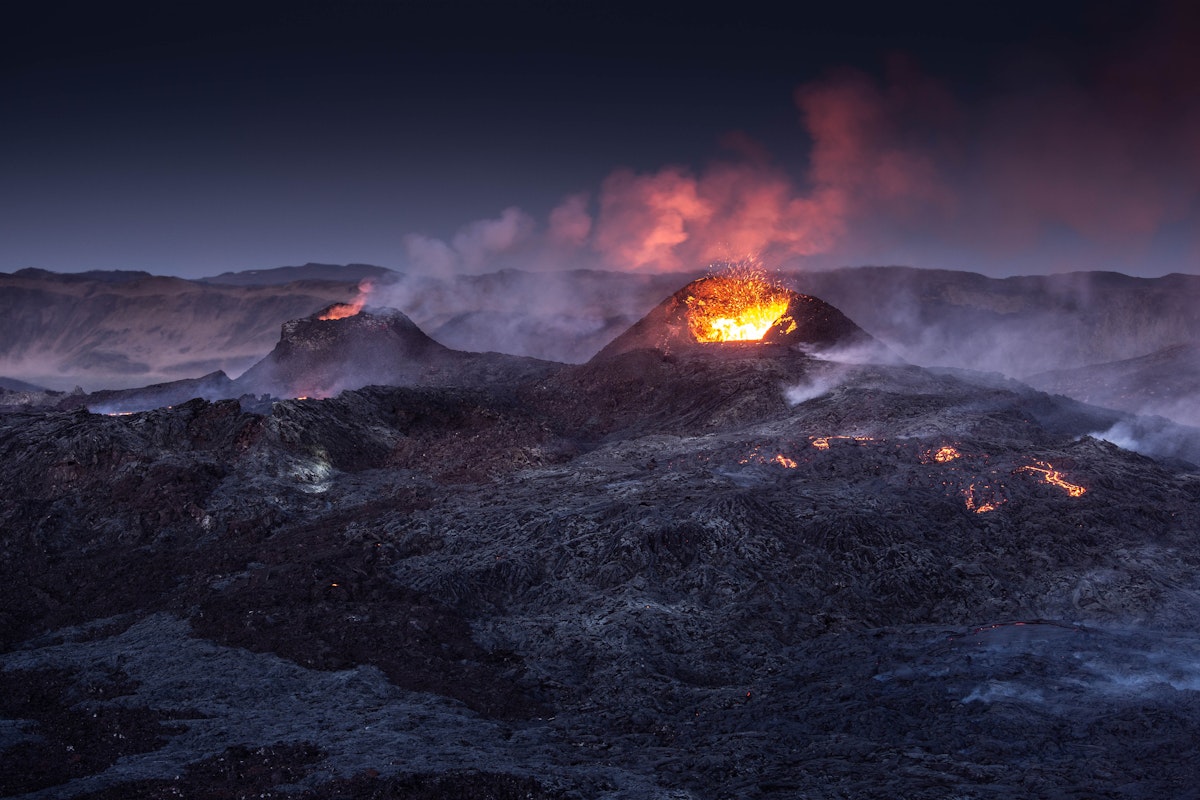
(318, 356)
(322, 354)
(686, 568)
(721, 312)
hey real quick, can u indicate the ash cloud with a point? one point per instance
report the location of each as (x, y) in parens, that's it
(1065, 165)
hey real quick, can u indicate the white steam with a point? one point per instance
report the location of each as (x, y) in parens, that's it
(811, 389)
(1155, 437)
(511, 239)
(558, 316)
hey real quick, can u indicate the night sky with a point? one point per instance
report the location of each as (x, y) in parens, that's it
(195, 138)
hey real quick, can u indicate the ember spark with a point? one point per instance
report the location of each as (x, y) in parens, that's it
(778, 458)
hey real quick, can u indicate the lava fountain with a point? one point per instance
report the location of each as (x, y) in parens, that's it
(742, 312)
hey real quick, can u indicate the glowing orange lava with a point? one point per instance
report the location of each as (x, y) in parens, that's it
(981, 499)
(778, 458)
(343, 310)
(739, 307)
(1053, 477)
(945, 454)
(822, 442)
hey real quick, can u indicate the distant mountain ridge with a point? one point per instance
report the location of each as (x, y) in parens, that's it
(278, 276)
(115, 330)
(1165, 382)
(93, 275)
(1018, 326)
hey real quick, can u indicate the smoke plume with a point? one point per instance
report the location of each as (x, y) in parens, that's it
(1053, 165)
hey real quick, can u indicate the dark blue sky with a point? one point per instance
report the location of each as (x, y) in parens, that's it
(196, 138)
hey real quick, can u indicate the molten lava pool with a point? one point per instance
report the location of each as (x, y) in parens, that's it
(735, 308)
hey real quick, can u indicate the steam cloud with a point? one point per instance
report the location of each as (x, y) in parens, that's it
(1155, 437)
(811, 389)
(1098, 167)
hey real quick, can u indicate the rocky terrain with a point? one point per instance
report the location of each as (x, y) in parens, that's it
(732, 570)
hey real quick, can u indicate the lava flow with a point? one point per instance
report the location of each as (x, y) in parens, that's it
(822, 442)
(1053, 477)
(739, 307)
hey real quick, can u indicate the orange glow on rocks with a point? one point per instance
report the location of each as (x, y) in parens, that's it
(822, 442)
(739, 307)
(343, 310)
(779, 458)
(945, 454)
(981, 498)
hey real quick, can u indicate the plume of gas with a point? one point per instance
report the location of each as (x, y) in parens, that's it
(1155, 437)
(560, 316)
(821, 379)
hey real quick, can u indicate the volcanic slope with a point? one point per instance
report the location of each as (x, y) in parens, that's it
(756, 575)
(324, 353)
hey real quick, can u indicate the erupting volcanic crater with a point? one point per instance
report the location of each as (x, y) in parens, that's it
(719, 313)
